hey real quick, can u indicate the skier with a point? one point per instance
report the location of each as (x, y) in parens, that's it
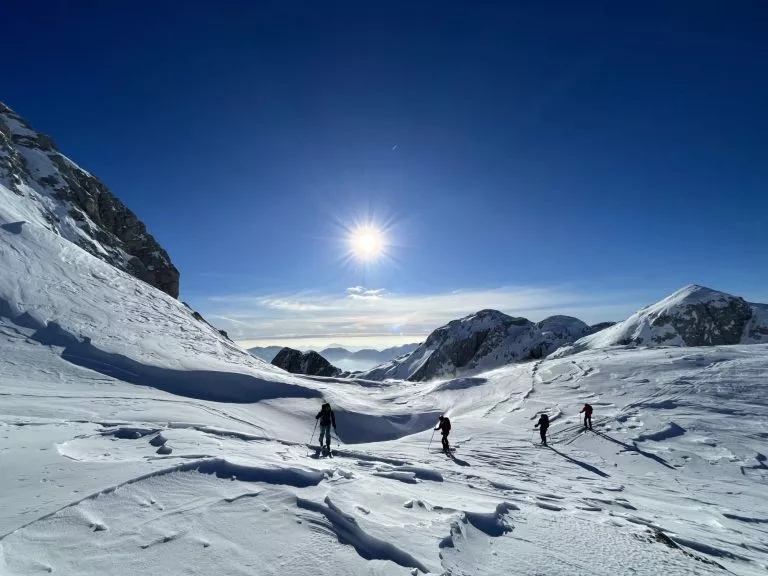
(544, 424)
(587, 410)
(445, 427)
(327, 419)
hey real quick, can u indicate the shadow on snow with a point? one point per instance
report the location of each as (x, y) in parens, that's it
(634, 448)
(584, 465)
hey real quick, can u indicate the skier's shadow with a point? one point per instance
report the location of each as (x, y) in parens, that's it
(584, 465)
(458, 461)
(634, 448)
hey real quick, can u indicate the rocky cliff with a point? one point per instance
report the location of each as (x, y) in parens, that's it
(53, 191)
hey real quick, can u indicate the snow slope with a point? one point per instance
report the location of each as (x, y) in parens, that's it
(692, 316)
(481, 341)
(134, 439)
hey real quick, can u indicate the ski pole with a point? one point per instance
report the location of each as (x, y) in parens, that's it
(310, 438)
(430, 440)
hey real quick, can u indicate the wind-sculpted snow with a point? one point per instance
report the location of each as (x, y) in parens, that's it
(240, 488)
(349, 532)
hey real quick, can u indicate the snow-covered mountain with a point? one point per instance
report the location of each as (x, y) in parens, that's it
(692, 316)
(309, 363)
(46, 188)
(481, 341)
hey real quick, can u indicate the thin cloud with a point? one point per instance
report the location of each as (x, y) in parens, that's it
(293, 305)
(360, 293)
(365, 311)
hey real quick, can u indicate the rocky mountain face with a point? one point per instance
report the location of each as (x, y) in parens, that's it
(481, 341)
(309, 363)
(48, 188)
(692, 316)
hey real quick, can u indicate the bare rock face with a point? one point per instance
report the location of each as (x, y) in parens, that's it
(309, 363)
(76, 205)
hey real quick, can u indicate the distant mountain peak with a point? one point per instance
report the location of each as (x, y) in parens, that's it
(692, 316)
(484, 340)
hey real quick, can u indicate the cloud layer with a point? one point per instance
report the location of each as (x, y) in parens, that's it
(362, 311)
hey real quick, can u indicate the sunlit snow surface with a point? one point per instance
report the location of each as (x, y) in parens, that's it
(116, 460)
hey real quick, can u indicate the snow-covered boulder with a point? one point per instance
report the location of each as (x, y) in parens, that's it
(692, 316)
(309, 363)
(481, 341)
(48, 189)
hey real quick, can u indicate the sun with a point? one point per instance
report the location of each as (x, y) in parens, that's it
(367, 243)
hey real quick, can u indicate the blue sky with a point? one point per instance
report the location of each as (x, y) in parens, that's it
(538, 157)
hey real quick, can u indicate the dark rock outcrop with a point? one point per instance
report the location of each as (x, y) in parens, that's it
(77, 206)
(308, 363)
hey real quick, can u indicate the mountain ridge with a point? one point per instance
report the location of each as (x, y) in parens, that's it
(692, 316)
(484, 340)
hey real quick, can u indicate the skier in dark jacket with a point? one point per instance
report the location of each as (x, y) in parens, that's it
(543, 424)
(445, 427)
(587, 410)
(327, 419)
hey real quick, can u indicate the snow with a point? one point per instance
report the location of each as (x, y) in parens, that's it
(493, 338)
(41, 200)
(756, 331)
(17, 128)
(135, 439)
(651, 325)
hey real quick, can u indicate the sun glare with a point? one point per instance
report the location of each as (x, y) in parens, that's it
(367, 243)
